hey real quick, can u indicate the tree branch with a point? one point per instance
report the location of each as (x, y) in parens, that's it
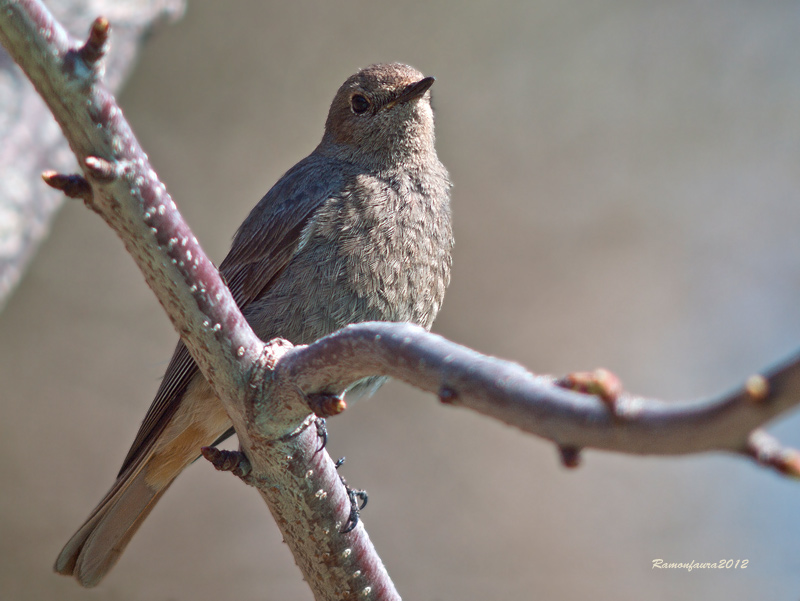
(538, 405)
(297, 479)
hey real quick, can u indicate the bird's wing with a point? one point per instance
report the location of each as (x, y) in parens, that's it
(263, 246)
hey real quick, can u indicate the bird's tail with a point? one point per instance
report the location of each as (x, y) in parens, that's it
(97, 545)
(171, 442)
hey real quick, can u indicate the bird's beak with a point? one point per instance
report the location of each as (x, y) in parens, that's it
(412, 91)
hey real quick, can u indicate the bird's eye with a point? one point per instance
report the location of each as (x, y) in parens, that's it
(359, 103)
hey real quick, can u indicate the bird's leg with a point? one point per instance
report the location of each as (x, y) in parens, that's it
(322, 432)
(354, 495)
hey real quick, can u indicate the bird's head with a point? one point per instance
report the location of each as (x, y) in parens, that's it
(381, 117)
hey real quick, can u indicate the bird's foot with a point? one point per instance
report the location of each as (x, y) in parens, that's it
(355, 495)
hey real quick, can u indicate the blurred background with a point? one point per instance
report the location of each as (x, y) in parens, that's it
(627, 195)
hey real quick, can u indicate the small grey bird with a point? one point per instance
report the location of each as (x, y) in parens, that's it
(357, 231)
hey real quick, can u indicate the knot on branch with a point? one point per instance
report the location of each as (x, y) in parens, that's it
(570, 456)
(96, 45)
(228, 461)
(757, 388)
(101, 169)
(767, 451)
(600, 382)
(326, 405)
(72, 185)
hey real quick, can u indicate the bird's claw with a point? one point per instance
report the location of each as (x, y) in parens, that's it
(354, 495)
(322, 432)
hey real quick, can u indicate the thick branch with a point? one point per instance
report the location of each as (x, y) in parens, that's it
(508, 392)
(298, 480)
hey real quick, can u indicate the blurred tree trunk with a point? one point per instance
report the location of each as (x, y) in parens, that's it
(32, 141)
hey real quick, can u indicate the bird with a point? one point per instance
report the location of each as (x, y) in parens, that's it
(359, 230)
